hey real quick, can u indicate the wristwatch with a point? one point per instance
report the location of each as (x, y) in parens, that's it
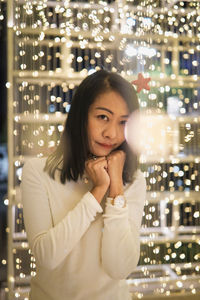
(119, 201)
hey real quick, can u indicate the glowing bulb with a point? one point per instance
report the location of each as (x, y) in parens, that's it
(149, 52)
(130, 22)
(130, 51)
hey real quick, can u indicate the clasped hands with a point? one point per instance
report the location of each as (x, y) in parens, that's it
(106, 173)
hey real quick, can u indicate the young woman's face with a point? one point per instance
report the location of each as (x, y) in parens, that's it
(106, 121)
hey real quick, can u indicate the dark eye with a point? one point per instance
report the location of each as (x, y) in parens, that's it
(103, 117)
(123, 122)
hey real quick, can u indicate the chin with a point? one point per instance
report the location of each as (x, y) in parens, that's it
(101, 153)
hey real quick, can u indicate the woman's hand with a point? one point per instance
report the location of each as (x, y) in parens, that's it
(116, 161)
(97, 171)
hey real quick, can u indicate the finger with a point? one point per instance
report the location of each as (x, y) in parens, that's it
(100, 164)
(95, 161)
(117, 153)
(95, 158)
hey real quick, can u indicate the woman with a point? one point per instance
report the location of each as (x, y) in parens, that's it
(83, 204)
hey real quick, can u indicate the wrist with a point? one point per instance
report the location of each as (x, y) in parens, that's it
(116, 188)
(98, 192)
(113, 192)
(119, 201)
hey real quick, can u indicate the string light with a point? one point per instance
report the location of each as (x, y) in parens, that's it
(58, 44)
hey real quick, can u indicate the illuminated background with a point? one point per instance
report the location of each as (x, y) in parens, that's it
(52, 46)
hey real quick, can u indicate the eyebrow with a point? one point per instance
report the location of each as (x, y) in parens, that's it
(110, 111)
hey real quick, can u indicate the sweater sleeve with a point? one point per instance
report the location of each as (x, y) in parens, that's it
(121, 241)
(51, 244)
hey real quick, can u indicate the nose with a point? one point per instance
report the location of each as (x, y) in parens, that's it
(110, 131)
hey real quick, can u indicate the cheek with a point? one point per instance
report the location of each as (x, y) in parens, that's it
(121, 135)
(89, 127)
(92, 130)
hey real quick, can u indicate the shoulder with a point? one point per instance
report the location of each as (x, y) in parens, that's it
(37, 162)
(35, 165)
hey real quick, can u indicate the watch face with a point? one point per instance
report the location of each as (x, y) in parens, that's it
(119, 201)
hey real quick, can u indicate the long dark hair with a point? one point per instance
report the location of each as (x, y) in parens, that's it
(73, 150)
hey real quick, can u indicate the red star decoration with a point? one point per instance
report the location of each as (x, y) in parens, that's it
(142, 83)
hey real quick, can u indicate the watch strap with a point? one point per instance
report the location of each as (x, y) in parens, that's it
(115, 201)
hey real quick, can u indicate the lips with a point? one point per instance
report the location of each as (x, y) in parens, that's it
(107, 146)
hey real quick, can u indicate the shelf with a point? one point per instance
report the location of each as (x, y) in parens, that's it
(173, 197)
(167, 231)
(116, 34)
(56, 118)
(173, 285)
(60, 117)
(59, 76)
(163, 277)
(155, 235)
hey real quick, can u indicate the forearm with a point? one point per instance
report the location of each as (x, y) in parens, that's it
(98, 192)
(120, 243)
(121, 239)
(50, 248)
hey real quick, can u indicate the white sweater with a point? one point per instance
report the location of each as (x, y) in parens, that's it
(83, 250)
